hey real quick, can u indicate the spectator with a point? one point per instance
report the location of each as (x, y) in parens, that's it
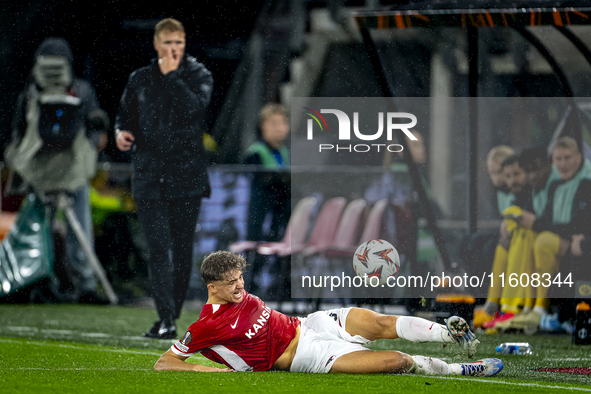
(494, 161)
(162, 114)
(270, 190)
(508, 256)
(270, 201)
(477, 249)
(541, 173)
(567, 213)
(577, 266)
(58, 127)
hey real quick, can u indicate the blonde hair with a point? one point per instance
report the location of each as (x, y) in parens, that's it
(271, 109)
(499, 153)
(168, 24)
(567, 143)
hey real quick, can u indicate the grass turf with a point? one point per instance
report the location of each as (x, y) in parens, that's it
(72, 348)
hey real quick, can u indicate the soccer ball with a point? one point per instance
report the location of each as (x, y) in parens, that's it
(376, 258)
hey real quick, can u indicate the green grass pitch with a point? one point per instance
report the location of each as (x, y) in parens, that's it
(83, 349)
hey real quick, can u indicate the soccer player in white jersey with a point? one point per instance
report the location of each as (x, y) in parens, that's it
(238, 330)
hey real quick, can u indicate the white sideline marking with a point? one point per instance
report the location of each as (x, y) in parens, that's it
(88, 347)
(507, 383)
(568, 358)
(49, 331)
(75, 369)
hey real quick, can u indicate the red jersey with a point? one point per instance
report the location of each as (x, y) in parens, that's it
(245, 336)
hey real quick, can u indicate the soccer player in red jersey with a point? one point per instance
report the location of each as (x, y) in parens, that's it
(238, 330)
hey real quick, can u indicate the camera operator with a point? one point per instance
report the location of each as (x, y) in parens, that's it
(57, 129)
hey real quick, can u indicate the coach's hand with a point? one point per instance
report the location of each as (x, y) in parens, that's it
(124, 140)
(169, 60)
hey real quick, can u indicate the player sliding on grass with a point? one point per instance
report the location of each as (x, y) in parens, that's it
(237, 329)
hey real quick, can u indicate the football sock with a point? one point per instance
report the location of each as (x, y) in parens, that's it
(433, 366)
(430, 366)
(415, 329)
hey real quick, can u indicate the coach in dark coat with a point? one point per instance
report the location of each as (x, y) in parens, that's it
(161, 119)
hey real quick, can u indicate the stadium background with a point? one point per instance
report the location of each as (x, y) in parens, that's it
(243, 44)
(273, 50)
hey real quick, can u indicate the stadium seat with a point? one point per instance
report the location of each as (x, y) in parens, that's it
(300, 218)
(373, 224)
(346, 244)
(296, 231)
(322, 234)
(343, 242)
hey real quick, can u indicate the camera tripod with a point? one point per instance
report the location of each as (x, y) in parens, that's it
(61, 200)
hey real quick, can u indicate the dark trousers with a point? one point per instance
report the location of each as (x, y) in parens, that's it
(268, 196)
(169, 226)
(274, 198)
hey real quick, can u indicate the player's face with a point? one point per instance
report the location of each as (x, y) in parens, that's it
(229, 289)
(170, 44)
(515, 177)
(566, 161)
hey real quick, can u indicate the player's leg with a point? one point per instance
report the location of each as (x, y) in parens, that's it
(371, 325)
(370, 361)
(492, 306)
(495, 289)
(397, 362)
(548, 248)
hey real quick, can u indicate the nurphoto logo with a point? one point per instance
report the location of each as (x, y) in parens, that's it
(344, 132)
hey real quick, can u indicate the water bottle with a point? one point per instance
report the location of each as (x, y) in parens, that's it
(522, 348)
(582, 334)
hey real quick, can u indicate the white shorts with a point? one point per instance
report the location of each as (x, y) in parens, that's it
(323, 339)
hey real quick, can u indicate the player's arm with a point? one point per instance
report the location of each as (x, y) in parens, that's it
(170, 361)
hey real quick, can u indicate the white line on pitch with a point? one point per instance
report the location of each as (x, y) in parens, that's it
(91, 347)
(568, 358)
(49, 331)
(75, 369)
(509, 383)
(82, 347)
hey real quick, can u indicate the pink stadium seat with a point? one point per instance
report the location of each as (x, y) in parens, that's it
(371, 230)
(296, 231)
(346, 234)
(373, 224)
(322, 234)
(300, 214)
